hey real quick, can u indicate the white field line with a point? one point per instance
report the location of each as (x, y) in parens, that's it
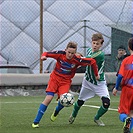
(16, 102)
(91, 106)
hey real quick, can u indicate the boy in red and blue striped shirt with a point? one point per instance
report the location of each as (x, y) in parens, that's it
(125, 77)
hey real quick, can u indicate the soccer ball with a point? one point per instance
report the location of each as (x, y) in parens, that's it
(67, 99)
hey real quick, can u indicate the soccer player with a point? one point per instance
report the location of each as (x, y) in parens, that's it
(90, 85)
(125, 77)
(60, 78)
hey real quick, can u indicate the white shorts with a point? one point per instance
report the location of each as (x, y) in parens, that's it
(89, 90)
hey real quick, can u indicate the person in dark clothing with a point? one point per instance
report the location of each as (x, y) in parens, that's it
(122, 54)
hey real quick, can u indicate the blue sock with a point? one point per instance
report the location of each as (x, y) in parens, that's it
(40, 113)
(122, 117)
(58, 107)
(131, 126)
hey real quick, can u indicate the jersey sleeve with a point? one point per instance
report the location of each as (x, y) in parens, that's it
(92, 62)
(118, 81)
(95, 68)
(54, 54)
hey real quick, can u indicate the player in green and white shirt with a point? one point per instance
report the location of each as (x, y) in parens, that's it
(91, 86)
(99, 57)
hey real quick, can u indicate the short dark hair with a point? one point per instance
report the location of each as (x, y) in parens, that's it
(97, 36)
(130, 43)
(72, 45)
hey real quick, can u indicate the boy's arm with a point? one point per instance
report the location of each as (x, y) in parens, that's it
(43, 57)
(92, 62)
(118, 81)
(119, 77)
(53, 54)
(95, 69)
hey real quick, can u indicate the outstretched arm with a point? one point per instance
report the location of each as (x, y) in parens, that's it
(52, 54)
(95, 68)
(92, 62)
(43, 57)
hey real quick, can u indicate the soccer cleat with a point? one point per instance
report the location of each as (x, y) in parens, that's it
(53, 118)
(126, 127)
(99, 122)
(35, 125)
(71, 119)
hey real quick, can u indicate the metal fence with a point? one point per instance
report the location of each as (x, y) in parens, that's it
(63, 21)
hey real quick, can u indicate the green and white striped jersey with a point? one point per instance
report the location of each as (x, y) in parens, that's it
(99, 57)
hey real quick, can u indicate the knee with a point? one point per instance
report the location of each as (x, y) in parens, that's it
(47, 100)
(106, 102)
(80, 102)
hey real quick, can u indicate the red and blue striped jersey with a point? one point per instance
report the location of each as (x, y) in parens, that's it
(66, 68)
(126, 70)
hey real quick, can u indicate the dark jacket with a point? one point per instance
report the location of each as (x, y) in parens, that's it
(118, 62)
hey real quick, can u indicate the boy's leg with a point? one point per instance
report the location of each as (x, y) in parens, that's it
(131, 125)
(42, 109)
(64, 88)
(122, 117)
(58, 108)
(126, 127)
(84, 95)
(131, 115)
(76, 108)
(102, 110)
(127, 122)
(39, 115)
